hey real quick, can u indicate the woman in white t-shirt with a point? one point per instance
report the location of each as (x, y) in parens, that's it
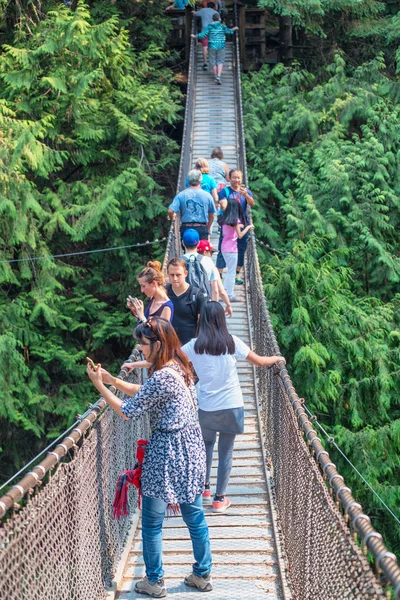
(214, 354)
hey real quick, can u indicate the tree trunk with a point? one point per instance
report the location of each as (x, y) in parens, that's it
(286, 39)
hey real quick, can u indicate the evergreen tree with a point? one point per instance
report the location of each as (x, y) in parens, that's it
(323, 161)
(86, 121)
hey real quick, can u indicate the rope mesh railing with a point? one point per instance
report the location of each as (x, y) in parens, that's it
(64, 542)
(323, 558)
(173, 243)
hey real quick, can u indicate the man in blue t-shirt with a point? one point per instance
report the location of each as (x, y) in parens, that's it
(195, 206)
(244, 196)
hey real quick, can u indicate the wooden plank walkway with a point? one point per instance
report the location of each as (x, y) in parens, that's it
(245, 564)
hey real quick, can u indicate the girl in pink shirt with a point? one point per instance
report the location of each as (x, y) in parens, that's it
(232, 230)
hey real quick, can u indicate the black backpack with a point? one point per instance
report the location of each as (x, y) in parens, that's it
(197, 276)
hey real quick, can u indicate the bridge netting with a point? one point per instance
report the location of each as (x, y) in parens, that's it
(63, 543)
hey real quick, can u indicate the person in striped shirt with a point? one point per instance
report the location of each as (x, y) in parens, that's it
(216, 32)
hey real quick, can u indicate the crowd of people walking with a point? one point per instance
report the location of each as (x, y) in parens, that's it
(192, 390)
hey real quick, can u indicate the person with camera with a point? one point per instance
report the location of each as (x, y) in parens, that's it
(243, 195)
(173, 471)
(152, 285)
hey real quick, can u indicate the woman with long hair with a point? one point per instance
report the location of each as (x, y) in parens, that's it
(233, 228)
(187, 301)
(174, 463)
(152, 284)
(214, 354)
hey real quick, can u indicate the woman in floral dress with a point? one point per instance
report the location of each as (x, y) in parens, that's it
(174, 463)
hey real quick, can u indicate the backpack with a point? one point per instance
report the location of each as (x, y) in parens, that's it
(227, 191)
(197, 275)
(194, 302)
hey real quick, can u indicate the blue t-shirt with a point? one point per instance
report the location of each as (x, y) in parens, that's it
(180, 4)
(194, 205)
(228, 192)
(207, 182)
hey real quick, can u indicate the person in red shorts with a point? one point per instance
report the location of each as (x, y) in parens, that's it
(206, 15)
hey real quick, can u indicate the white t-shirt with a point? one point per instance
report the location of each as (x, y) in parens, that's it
(219, 381)
(207, 263)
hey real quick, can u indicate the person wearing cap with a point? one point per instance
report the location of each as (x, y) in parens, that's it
(190, 240)
(206, 249)
(195, 207)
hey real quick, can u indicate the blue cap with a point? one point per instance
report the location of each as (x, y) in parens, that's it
(190, 237)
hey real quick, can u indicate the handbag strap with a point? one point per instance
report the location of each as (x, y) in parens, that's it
(182, 382)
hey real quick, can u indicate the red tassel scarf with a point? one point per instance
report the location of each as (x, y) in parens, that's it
(134, 477)
(130, 477)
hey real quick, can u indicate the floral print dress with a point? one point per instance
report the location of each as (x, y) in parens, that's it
(174, 466)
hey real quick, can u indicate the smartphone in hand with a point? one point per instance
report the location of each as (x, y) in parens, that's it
(91, 364)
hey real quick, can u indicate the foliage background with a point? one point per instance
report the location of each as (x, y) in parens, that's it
(323, 147)
(88, 111)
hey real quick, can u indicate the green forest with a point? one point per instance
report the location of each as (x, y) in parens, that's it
(91, 110)
(323, 150)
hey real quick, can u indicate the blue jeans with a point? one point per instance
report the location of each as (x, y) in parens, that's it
(242, 247)
(153, 511)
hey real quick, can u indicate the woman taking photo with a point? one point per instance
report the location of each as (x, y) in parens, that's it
(214, 354)
(152, 282)
(174, 464)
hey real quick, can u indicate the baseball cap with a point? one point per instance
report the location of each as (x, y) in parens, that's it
(204, 245)
(190, 237)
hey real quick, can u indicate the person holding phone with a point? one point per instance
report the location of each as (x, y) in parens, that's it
(243, 195)
(152, 284)
(174, 466)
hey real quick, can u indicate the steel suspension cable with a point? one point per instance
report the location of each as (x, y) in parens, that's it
(112, 249)
(331, 441)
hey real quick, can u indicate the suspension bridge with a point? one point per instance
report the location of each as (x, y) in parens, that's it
(294, 530)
